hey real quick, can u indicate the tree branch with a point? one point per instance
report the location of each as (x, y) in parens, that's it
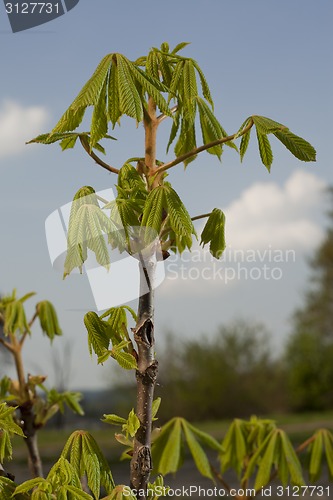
(203, 216)
(163, 117)
(26, 332)
(204, 147)
(7, 345)
(98, 160)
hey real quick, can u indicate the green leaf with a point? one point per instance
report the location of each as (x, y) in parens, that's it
(129, 98)
(78, 494)
(244, 144)
(29, 485)
(186, 141)
(299, 147)
(205, 438)
(6, 418)
(177, 76)
(15, 318)
(234, 448)
(294, 466)
(180, 46)
(67, 140)
(113, 419)
(155, 407)
(265, 150)
(27, 296)
(72, 400)
(328, 446)
(152, 86)
(266, 463)
(214, 233)
(170, 458)
(98, 333)
(88, 96)
(266, 125)
(7, 488)
(153, 208)
(174, 129)
(164, 462)
(114, 112)
(86, 458)
(190, 92)
(164, 68)
(198, 454)
(48, 319)
(124, 359)
(91, 464)
(99, 120)
(210, 128)
(204, 84)
(179, 219)
(121, 492)
(316, 457)
(87, 227)
(132, 424)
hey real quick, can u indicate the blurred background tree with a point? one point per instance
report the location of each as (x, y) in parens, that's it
(231, 374)
(309, 352)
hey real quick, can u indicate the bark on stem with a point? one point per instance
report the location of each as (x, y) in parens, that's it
(30, 431)
(27, 414)
(141, 463)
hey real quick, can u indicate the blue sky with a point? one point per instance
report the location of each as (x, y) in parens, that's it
(260, 57)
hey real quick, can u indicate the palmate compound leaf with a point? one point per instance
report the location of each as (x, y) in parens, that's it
(116, 88)
(214, 233)
(86, 458)
(88, 226)
(15, 318)
(168, 448)
(298, 146)
(276, 451)
(48, 319)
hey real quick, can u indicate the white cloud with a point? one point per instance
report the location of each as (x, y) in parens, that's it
(267, 214)
(19, 124)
